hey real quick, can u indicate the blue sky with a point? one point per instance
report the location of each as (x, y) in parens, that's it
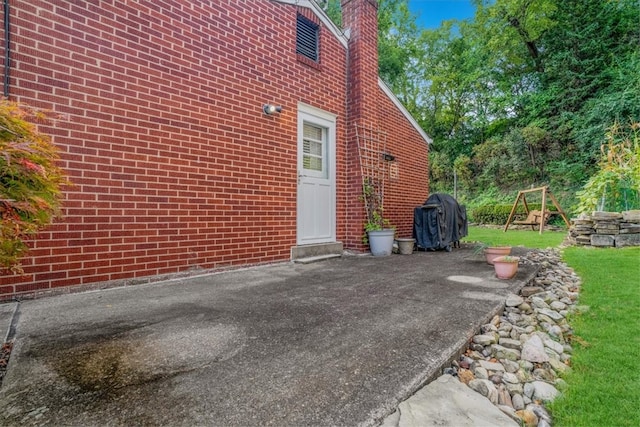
(432, 12)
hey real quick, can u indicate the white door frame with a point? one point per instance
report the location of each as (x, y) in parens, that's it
(326, 120)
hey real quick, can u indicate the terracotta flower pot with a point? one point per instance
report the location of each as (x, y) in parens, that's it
(506, 267)
(492, 252)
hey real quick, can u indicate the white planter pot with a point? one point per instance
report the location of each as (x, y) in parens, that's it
(381, 241)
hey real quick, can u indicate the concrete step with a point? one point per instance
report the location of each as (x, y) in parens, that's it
(317, 258)
(307, 251)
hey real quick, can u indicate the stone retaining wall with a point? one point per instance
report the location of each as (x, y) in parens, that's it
(606, 229)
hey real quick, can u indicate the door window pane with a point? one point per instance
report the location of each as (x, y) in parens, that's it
(314, 147)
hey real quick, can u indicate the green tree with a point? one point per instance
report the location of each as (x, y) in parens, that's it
(333, 11)
(513, 28)
(398, 47)
(462, 167)
(590, 81)
(525, 90)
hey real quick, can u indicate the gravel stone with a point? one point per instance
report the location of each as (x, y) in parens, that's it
(485, 388)
(484, 340)
(514, 300)
(508, 377)
(551, 314)
(529, 389)
(553, 345)
(558, 306)
(500, 352)
(517, 401)
(539, 303)
(533, 350)
(544, 391)
(510, 343)
(510, 365)
(481, 373)
(492, 366)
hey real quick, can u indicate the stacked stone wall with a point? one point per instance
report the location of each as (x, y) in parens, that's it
(606, 229)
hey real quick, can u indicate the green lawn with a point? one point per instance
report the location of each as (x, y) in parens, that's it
(528, 238)
(604, 387)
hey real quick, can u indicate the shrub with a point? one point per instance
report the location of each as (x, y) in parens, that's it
(491, 214)
(498, 214)
(30, 181)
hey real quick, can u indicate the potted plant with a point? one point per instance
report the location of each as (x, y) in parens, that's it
(379, 232)
(491, 251)
(506, 266)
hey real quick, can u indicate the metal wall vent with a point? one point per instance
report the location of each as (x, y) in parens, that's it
(307, 37)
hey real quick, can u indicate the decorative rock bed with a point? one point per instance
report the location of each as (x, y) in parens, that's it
(518, 358)
(606, 229)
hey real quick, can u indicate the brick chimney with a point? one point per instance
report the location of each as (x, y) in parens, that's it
(360, 19)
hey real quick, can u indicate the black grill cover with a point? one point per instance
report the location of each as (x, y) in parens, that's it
(439, 223)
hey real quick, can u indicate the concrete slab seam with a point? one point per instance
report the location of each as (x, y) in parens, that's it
(11, 330)
(148, 281)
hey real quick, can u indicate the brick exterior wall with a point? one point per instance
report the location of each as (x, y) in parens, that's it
(410, 188)
(360, 18)
(368, 106)
(175, 168)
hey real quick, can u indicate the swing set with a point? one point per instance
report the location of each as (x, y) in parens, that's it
(536, 218)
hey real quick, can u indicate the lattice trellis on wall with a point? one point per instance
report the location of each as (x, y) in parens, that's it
(372, 145)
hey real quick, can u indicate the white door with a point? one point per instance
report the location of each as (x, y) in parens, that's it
(316, 176)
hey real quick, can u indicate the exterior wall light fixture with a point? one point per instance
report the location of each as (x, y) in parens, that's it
(271, 109)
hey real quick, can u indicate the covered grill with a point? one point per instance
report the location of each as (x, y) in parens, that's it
(440, 223)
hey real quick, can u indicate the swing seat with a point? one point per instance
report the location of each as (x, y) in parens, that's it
(534, 218)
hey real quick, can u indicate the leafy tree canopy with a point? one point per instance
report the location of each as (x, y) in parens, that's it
(524, 93)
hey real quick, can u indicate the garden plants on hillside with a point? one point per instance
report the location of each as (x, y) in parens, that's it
(616, 185)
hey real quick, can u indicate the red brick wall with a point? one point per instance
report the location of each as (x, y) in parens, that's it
(174, 165)
(2, 46)
(359, 17)
(411, 187)
(370, 108)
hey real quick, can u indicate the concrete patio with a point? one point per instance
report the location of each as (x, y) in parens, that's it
(339, 342)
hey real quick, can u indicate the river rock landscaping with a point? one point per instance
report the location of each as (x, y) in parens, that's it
(517, 360)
